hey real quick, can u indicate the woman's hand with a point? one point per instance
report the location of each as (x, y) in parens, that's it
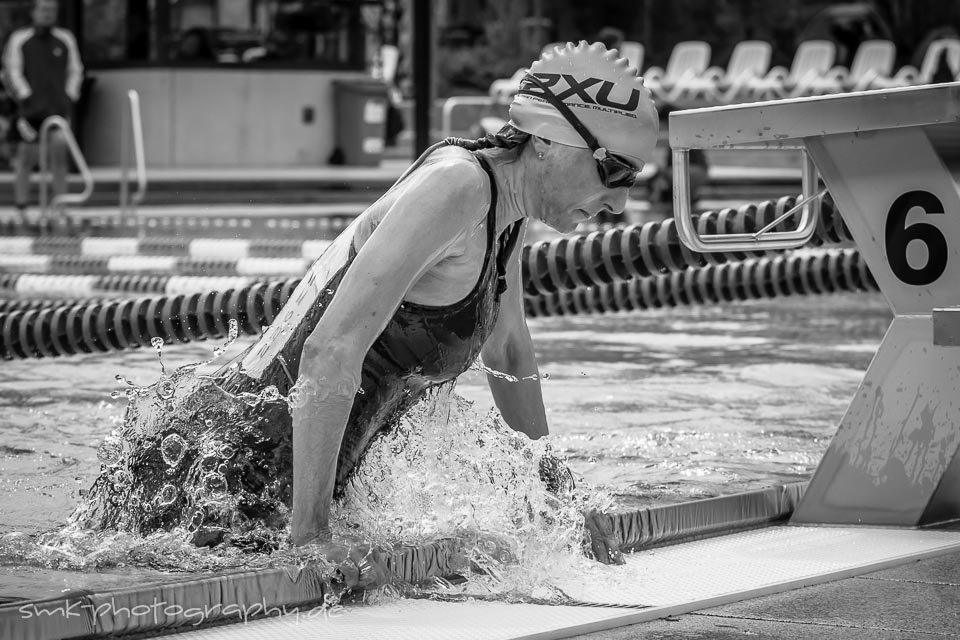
(603, 539)
(358, 566)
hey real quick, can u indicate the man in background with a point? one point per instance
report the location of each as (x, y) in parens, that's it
(43, 73)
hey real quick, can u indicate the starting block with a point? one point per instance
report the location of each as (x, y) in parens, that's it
(894, 460)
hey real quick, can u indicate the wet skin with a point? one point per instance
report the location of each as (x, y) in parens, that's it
(566, 189)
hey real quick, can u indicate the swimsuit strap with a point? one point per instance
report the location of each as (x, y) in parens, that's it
(508, 239)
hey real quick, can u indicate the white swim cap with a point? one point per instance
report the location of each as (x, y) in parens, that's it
(604, 92)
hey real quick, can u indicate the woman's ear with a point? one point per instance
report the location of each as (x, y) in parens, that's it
(540, 145)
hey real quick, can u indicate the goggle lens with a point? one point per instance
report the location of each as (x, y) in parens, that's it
(615, 172)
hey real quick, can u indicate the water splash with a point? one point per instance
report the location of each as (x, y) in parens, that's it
(478, 365)
(450, 472)
(198, 478)
(157, 343)
(446, 471)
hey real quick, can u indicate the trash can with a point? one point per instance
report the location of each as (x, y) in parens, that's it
(361, 121)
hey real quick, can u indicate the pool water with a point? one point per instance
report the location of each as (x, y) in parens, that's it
(652, 407)
(656, 406)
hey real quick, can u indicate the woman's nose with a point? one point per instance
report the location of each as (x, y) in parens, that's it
(615, 200)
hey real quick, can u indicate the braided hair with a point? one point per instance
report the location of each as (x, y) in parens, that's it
(508, 137)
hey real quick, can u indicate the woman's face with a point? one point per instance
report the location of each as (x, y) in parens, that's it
(570, 190)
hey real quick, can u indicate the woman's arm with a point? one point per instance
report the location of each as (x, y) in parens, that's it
(431, 212)
(509, 349)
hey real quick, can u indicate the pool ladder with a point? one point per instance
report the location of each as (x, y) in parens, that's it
(133, 123)
(59, 122)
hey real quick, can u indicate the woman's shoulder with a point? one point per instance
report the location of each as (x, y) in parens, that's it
(449, 185)
(450, 181)
(457, 164)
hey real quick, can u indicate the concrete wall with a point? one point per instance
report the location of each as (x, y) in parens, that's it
(216, 117)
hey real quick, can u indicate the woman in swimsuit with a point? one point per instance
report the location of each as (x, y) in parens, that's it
(416, 288)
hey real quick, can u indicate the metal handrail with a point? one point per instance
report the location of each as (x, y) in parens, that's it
(762, 239)
(135, 122)
(64, 198)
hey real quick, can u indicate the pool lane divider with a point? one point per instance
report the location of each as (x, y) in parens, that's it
(241, 595)
(313, 221)
(600, 257)
(152, 265)
(101, 326)
(28, 284)
(196, 248)
(822, 272)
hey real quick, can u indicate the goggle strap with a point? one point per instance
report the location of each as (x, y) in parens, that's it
(566, 112)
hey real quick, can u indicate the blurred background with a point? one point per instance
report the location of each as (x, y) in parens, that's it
(257, 83)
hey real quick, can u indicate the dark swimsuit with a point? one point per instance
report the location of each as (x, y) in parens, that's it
(421, 347)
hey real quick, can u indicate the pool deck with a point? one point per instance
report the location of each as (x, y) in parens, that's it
(916, 600)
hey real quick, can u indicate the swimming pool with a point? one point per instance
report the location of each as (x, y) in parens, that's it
(655, 407)
(660, 406)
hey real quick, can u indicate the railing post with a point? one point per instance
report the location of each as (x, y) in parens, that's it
(132, 130)
(59, 122)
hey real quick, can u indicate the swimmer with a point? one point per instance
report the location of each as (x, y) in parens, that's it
(423, 282)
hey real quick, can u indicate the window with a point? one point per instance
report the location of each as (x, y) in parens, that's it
(281, 33)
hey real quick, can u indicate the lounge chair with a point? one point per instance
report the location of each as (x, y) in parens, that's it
(908, 75)
(688, 60)
(749, 61)
(872, 63)
(811, 61)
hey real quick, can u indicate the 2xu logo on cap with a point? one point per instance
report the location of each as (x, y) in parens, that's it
(580, 88)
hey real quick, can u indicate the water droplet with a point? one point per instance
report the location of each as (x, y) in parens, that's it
(122, 380)
(196, 520)
(172, 448)
(166, 388)
(121, 479)
(208, 463)
(166, 495)
(213, 483)
(110, 450)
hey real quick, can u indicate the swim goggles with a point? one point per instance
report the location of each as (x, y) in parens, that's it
(614, 171)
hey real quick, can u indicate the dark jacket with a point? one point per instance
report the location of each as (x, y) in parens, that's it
(42, 69)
